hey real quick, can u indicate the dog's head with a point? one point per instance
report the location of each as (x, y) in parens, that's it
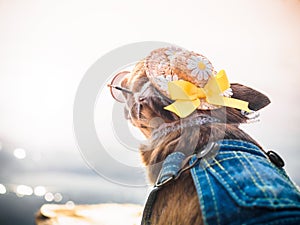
(145, 102)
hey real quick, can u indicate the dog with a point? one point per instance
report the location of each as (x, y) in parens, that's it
(147, 105)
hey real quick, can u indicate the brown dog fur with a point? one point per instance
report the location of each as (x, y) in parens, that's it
(177, 203)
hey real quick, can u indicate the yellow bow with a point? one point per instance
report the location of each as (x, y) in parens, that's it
(187, 95)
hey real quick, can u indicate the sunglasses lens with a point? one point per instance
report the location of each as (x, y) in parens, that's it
(116, 81)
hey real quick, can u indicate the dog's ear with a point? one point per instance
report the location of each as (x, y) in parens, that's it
(256, 99)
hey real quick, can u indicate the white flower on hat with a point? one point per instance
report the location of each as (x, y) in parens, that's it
(162, 81)
(200, 67)
(172, 52)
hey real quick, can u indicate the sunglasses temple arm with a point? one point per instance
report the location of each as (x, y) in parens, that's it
(120, 89)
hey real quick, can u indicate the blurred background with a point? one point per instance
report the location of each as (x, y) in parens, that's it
(47, 46)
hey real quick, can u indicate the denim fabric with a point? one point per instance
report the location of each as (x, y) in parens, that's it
(241, 186)
(171, 166)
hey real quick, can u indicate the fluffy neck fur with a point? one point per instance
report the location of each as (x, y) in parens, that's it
(187, 140)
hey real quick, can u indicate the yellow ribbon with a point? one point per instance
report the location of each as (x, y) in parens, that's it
(187, 95)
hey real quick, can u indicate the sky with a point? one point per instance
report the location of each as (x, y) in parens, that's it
(46, 47)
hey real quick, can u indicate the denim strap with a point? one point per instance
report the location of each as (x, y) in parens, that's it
(170, 169)
(171, 166)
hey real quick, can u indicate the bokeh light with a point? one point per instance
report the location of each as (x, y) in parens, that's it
(23, 190)
(20, 153)
(70, 204)
(58, 197)
(49, 197)
(2, 189)
(39, 190)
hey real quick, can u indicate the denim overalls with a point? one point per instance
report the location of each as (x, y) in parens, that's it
(241, 186)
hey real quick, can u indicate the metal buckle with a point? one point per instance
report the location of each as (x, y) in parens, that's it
(211, 147)
(159, 184)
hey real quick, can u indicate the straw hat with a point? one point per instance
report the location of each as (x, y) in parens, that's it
(188, 79)
(173, 63)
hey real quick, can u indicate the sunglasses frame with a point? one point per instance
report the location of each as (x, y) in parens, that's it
(112, 86)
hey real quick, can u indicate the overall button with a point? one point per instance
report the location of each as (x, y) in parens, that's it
(275, 158)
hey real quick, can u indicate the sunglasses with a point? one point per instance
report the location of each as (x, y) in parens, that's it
(115, 87)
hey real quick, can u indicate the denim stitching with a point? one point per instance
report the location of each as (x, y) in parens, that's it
(259, 177)
(241, 147)
(230, 157)
(223, 160)
(251, 175)
(226, 159)
(214, 168)
(285, 178)
(241, 191)
(240, 144)
(213, 194)
(226, 183)
(239, 188)
(199, 191)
